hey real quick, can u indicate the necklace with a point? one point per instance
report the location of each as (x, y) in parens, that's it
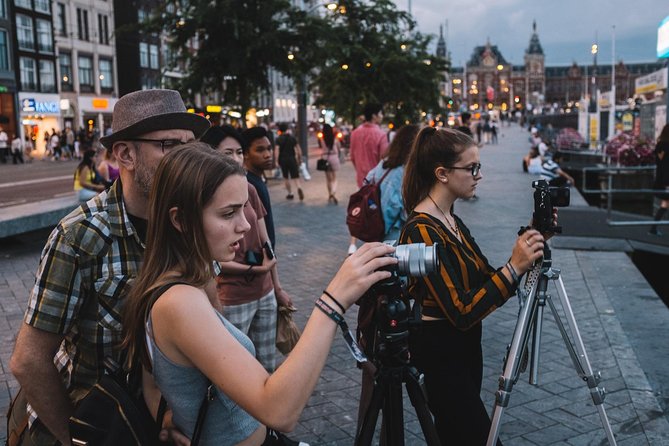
(453, 227)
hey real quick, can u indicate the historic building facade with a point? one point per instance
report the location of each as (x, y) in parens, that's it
(488, 81)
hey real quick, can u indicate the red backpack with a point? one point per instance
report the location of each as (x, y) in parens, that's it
(364, 217)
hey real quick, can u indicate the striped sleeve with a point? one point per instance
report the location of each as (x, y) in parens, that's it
(456, 287)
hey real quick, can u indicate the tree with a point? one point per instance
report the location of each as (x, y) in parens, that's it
(375, 55)
(238, 42)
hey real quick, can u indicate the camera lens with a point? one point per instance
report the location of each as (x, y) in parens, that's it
(416, 259)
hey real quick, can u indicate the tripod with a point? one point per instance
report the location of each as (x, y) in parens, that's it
(530, 317)
(394, 369)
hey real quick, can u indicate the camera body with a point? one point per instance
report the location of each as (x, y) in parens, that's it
(386, 315)
(546, 198)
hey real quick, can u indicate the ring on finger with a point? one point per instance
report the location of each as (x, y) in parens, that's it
(528, 242)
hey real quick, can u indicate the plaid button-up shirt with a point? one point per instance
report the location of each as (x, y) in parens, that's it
(84, 274)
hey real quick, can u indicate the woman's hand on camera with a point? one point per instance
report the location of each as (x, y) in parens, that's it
(528, 249)
(360, 271)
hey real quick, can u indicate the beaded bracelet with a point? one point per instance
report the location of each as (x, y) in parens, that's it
(341, 307)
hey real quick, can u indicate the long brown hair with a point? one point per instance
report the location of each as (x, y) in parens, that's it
(187, 179)
(432, 148)
(664, 135)
(400, 146)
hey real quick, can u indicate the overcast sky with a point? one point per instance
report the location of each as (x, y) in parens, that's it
(566, 28)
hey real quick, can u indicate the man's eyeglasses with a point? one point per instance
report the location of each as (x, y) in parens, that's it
(474, 168)
(165, 144)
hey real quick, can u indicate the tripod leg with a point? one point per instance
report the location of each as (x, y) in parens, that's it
(580, 360)
(393, 411)
(366, 432)
(416, 390)
(512, 363)
(536, 332)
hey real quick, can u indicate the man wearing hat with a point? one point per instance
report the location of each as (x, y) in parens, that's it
(73, 320)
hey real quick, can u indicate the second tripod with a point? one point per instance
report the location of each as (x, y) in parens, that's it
(533, 300)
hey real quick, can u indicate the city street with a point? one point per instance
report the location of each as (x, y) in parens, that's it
(39, 180)
(624, 325)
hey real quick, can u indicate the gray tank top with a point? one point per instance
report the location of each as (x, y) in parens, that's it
(184, 388)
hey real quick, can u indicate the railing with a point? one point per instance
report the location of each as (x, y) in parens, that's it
(610, 171)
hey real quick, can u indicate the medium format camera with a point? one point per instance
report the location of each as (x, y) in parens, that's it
(545, 199)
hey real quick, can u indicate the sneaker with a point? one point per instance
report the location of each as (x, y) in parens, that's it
(290, 196)
(300, 194)
(352, 248)
(655, 231)
(275, 438)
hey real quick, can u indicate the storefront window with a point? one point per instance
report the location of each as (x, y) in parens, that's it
(47, 76)
(44, 39)
(4, 51)
(106, 74)
(28, 78)
(24, 32)
(143, 55)
(65, 63)
(42, 6)
(86, 73)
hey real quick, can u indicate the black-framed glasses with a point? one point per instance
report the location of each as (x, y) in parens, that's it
(474, 168)
(165, 144)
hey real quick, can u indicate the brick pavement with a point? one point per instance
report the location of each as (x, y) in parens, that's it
(311, 243)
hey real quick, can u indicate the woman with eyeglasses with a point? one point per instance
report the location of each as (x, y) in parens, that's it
(443, 166)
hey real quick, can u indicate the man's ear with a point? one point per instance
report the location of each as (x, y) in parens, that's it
(174, 218)
(126, 154)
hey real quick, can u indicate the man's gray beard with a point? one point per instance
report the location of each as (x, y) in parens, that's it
(143, 179)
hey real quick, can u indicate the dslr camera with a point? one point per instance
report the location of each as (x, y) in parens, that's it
(386, 314)
(546, 198)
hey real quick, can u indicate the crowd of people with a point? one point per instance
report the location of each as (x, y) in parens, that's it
(170, 260)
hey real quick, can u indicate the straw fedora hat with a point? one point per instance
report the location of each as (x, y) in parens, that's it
(146, 111)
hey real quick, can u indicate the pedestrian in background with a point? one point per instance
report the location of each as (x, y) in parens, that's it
(661, 177)
(331, 152)
(28, 148)
(86, 183)
(257, 159)
(73, 321)
(368, 146)
(290, 158)
(443, 166)
(108, 167)
(17, 149)
(4, 146)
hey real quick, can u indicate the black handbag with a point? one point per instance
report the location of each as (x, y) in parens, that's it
(322, 164)
(113, 412)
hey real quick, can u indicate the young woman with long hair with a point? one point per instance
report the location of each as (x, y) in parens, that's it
(443, 166)
(195, 218)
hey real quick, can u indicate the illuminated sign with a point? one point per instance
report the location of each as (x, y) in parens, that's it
(100, 103)
(30, 105)
(663, 38)
(214, 108)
